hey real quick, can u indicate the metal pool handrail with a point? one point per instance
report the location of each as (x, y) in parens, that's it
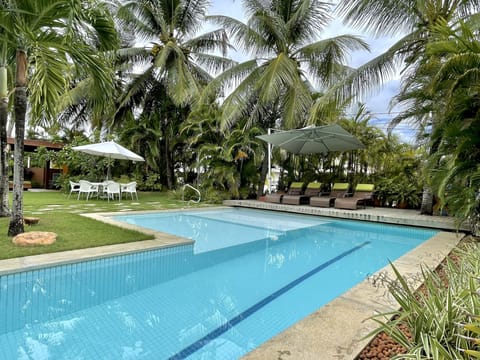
(194, 189)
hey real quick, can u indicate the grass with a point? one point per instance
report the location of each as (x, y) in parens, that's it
(61, 215)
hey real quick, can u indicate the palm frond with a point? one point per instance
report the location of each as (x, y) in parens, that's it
(307, 19)
(214, 64)
(139, 55)
(181, 85)
(380, 17)
(215, 40)
(189, 15)
(362, 81)
(231, 77)
(242, 34)
(326, 59)
(297, 102)
(238, 104)
(137, 87)
(275, 75)
(141, 19)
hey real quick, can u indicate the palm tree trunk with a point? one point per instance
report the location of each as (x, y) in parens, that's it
(263, 176)
(427, 201)
(168, 163)
(16, 221)
(4, 209)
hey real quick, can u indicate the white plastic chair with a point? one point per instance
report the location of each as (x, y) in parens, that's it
(74, 188)
(113, 189)
(130, 188)
(86, 187)
(104, 186)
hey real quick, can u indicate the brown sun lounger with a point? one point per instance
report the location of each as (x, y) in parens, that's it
(313, 189)
(363, 192)
(294, 189)
(339, 190)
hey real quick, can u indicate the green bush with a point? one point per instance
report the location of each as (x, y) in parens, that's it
(436, 316)
(214, 196)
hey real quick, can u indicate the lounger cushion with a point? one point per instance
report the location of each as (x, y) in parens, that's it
(364, 187)
(340, 186)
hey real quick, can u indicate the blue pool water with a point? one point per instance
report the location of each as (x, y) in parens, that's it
(249, 275)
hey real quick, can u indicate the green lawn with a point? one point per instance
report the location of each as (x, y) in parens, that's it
(59, 214)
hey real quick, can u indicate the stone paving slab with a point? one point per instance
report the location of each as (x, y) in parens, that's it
(379, 214)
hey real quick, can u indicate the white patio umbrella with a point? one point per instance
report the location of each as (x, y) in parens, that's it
(110, 150)
(312, 140)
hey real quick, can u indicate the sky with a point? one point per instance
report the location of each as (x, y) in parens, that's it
(378, 102)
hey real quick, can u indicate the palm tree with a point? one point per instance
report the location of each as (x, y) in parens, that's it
(175, 56)
(4, 110)
(282, 35)
(456, 155)
(413, 18)
(175, 62)
(46, 38)
(4, 208)
(417, 20)
(274, 89)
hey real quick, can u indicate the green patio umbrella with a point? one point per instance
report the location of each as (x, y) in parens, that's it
(311, 140)
(314, 140)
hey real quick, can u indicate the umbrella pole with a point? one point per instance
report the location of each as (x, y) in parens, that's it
(269, 165)
(108, 167)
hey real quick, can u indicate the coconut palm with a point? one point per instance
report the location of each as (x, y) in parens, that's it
(456, 155)
(283, 37)
(172, 61)
(276, 87)
(174, 55)
(45, 39)
(412, 18)
(416, 20)
(4, 208)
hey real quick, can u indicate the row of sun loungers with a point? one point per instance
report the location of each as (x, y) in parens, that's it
(337, 197)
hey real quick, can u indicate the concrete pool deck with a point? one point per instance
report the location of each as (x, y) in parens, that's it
(335, 331)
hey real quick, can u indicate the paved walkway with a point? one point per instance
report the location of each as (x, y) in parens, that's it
(380, 214)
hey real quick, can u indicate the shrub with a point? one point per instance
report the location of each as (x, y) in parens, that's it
(435, 315)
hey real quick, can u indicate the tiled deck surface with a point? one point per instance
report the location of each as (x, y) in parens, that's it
(385, 215)
(336, 330)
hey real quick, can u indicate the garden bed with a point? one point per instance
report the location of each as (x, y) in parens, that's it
(383, 346)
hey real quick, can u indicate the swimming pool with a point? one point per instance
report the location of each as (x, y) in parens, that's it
(216, 299)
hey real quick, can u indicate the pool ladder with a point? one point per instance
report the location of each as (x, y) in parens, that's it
(194, 189)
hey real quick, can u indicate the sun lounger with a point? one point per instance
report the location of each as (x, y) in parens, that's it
(339, 190)
(363, 192)
(313, 189)
(294, 189)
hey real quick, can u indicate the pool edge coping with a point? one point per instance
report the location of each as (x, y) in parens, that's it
(160, 240)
